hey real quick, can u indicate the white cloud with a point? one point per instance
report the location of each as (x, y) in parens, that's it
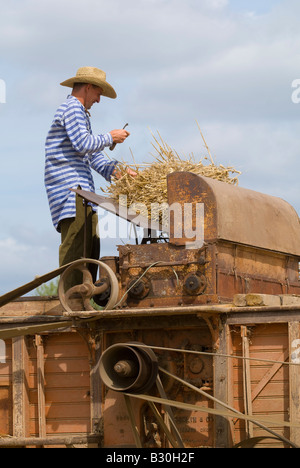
(171, 62)
(9, 245)
(216, 4)
(24, 255)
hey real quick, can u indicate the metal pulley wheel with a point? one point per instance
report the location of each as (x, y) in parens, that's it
(88, 289)
(195, 284)
(129, 367)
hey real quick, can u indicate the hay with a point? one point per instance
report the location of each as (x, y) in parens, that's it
(150, 185)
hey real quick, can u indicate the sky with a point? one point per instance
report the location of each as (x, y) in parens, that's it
(230, 65)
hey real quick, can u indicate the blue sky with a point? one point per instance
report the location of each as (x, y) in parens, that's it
(229, 64)
(257, 6)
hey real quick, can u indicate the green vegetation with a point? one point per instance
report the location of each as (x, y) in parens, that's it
(48, 289)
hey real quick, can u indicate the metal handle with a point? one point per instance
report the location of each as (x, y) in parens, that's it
(112, 147)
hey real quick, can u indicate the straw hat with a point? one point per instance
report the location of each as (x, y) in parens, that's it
(93, 76)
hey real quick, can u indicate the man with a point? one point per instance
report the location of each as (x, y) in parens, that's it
(71, 152)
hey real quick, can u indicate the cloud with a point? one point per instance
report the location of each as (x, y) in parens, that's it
(26, 253)
(129, 36)
(171, 62)
(192, 54)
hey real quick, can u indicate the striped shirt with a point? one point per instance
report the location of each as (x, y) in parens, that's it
(71, 152)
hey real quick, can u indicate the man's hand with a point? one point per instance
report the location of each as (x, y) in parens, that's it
(119, 136)
(131, 172)
(117, 174)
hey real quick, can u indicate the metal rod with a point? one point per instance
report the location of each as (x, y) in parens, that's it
(169, 411)
(85, 228)
(163, 424)
(55, 440)
(225, 405)
(135, 431)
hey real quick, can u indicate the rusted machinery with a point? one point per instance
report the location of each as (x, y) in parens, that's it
(167, 303)
(251, 243)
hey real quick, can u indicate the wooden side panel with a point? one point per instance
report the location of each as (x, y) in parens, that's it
(67, 385)
(269, 382)
(5, 393)
(294, 341)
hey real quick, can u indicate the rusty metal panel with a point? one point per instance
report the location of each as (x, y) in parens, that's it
(187, 188)
(221, 269)
(175, 276)
(236, 214)
(242, 269)
(113, 207)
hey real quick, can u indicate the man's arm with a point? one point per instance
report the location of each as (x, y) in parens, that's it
(81, 139)
(107, 168)
(103, 166)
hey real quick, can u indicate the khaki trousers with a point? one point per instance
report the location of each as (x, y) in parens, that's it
(72, 241)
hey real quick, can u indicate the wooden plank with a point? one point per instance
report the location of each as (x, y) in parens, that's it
(32, 306)
(37, 306)
(6, 333)
(96, 386)
(20, 387)
(269, 380)
(247, 379)
(259, 373)
(26, 288)
(41, 385)
(5, 410)
(250, 317)
(5, 393)
(268, 376)
(68, 440)
(56, 395)
(221, 425)
(78, 410)
(294, 378)
(67, 386)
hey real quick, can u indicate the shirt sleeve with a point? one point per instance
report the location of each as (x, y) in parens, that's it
(82, 140)
(103, 166)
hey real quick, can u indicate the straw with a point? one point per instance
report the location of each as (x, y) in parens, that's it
(150, 184)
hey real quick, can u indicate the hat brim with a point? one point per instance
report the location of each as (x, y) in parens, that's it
(107, 89)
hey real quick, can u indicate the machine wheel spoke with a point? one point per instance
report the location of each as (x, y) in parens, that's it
(88, 289)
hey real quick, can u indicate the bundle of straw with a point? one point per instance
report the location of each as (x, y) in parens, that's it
(150, 184)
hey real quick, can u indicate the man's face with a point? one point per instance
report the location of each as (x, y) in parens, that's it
(92, 95)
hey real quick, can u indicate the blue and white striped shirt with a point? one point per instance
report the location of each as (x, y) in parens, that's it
(71, 151)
